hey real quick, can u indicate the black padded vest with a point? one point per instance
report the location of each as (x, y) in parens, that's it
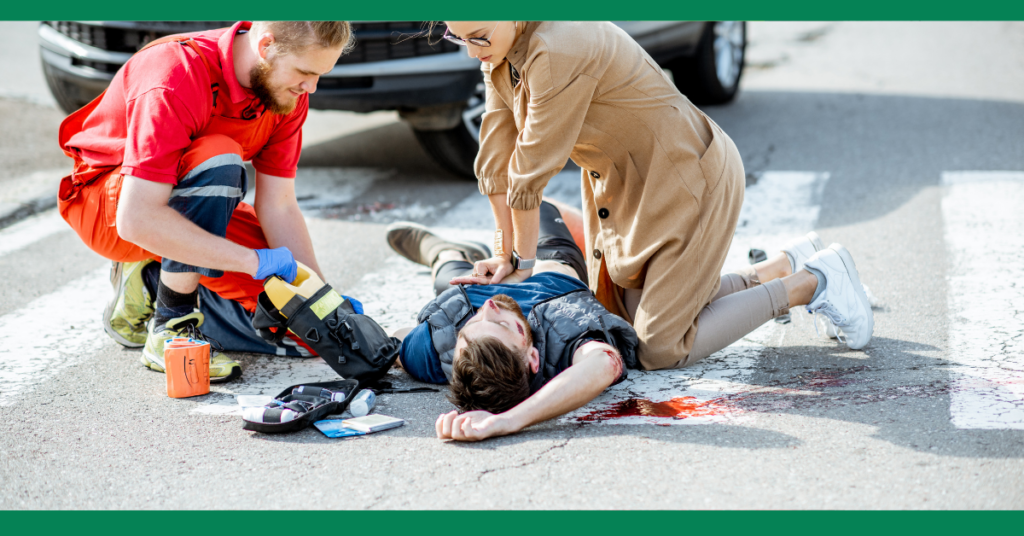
(558, 324)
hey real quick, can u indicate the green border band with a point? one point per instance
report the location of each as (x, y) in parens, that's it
(499, 523)
(521, 10)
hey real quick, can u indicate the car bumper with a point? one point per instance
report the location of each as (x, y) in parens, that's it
(398, 92)
(365, 87)
(69, 59)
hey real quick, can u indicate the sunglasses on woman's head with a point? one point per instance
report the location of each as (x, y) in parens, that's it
(475, 41)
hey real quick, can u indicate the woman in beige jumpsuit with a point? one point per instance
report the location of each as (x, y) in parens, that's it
(662, 184)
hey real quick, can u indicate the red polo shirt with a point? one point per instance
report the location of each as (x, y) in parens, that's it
(163, 97)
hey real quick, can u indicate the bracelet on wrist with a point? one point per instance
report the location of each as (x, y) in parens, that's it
(499, 243)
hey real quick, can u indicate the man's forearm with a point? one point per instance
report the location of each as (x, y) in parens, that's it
(570, 390)
(286, 227)
(167, 233)
(281, 218)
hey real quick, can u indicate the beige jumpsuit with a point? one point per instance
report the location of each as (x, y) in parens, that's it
(662, 183)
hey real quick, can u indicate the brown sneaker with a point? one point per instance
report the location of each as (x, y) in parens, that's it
(418, 244)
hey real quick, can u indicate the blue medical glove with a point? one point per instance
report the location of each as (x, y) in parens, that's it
(356, 304)
(277, 261)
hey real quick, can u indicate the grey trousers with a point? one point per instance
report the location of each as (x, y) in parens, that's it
(740, 306)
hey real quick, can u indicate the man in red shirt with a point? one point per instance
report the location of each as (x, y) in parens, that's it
(159, 180)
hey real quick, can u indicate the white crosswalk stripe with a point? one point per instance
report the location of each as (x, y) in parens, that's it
(51, 333)
(392, 296)
(984, 230)
(63, 327)
(31, 230)
(779, 206)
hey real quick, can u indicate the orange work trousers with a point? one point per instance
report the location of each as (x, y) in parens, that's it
(88, 202)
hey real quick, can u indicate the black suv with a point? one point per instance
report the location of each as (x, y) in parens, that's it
(432, 83)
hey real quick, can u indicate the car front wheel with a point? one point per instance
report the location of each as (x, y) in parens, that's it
(455, 149)
(712, 74)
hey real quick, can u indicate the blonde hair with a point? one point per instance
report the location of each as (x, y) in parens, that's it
(292, 36)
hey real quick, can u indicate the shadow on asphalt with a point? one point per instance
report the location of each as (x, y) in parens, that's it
(407, 184)
(880, 150)
(905, 395)
(392, 146)
(720, 435)
(906, 399)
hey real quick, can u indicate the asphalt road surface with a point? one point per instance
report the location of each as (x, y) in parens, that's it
(902, 141)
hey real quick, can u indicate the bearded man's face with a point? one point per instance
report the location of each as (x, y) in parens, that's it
(275, 96)
(279, 80)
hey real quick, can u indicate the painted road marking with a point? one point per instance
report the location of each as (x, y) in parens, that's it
(392, 296)
(31, 230)
(779, 207)
(33, 353)
(47, 335)
(983, 229)
(319, 188)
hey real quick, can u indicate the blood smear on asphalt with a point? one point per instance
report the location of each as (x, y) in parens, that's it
(677, 408)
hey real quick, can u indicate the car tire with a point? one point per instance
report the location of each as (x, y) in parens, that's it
(712, 75)
(453, 149)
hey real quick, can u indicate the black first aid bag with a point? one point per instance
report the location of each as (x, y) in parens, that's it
(291, 410)
(353, 344)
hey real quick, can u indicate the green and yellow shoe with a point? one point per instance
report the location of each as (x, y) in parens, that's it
(124, 318)
(222, 367)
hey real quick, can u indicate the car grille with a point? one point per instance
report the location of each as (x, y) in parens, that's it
(382, 41)
(101, 66)
(127, 38)
(375, 41)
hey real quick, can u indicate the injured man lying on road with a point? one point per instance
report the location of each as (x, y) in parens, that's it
(514, 354)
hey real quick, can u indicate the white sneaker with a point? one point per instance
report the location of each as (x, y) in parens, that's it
(843, 300)
(823, 325)
(801, 249)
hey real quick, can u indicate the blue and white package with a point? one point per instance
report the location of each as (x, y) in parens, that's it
(334, 428)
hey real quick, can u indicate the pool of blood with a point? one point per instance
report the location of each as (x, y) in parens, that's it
(682, 407)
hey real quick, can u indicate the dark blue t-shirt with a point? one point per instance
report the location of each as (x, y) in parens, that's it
(418, 355)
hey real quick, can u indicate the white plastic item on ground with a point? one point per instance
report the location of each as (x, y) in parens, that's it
(363, 403)
(260, 414)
